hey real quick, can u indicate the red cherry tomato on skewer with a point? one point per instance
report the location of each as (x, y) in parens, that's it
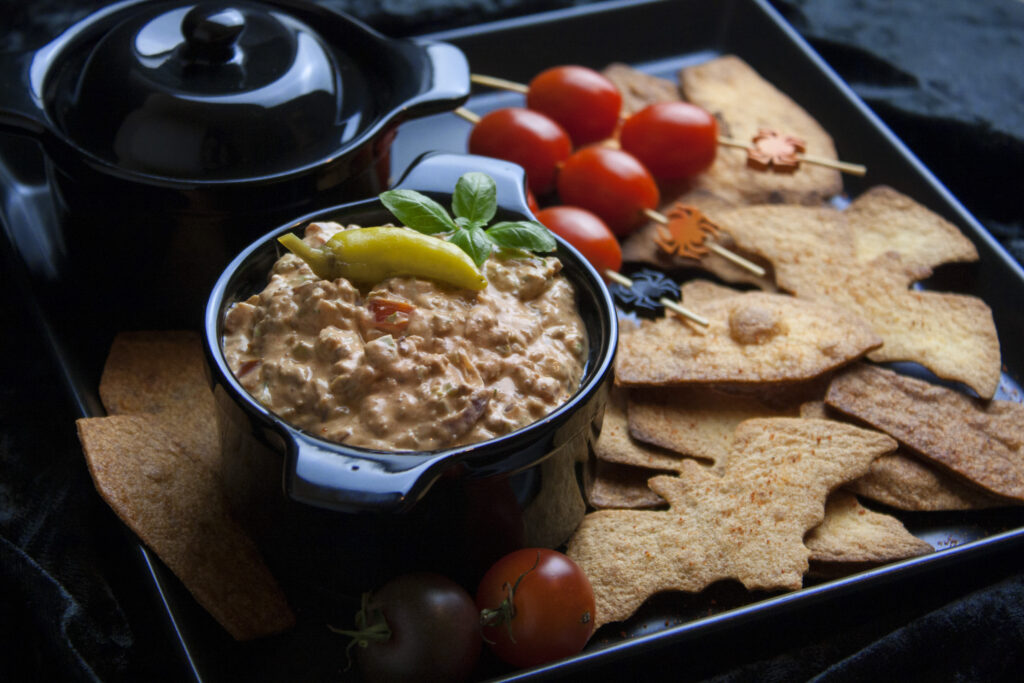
(581, 100)
(674, 140)
(586, 232)
(610, 183)
(524, 137)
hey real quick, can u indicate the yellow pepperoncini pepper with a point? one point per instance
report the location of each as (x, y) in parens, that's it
(369, 255)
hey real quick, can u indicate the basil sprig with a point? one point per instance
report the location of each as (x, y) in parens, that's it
(474, 204)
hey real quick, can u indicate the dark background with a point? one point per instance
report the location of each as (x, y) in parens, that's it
(945, 75)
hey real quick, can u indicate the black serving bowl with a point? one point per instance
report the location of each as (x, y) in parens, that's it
(521, 487)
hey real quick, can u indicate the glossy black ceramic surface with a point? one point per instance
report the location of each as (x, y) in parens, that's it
(451, 510)
(176, 132)
(334, 476)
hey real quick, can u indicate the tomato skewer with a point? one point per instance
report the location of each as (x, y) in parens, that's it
(583, 101)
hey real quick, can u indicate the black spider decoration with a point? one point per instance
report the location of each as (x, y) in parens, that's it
(648, 287)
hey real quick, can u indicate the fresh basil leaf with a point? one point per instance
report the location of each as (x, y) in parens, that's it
(522, 235)
(475, 197)
(418, 211)
(466, 223)
(475, 242)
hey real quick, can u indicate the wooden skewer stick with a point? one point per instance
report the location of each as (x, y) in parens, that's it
(845, 167)
(466, 114)
(500, 83)
(717, 248)
(664, 301)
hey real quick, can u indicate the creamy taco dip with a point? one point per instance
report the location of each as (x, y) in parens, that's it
(408, 363)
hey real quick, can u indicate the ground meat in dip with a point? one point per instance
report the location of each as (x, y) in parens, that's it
(410, 364)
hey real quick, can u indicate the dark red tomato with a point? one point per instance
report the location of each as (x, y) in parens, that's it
(583, 101)
(524, 137)
(417, 627)
(549, 607)
(674, 140)
(610, 183)
(585, 231)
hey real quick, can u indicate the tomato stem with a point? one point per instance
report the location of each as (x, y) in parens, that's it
(371, 627)
(505, 612)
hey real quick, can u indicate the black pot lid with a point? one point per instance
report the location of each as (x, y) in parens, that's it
(215, 91)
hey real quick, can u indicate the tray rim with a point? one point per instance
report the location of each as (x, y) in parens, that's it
(162, 581)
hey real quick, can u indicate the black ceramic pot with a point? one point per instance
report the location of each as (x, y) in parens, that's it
(447, 510)
(175, 132)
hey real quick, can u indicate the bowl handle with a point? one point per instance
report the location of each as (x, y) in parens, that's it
(449, 84)
(439, 171)
(385, 483)
(19, 114)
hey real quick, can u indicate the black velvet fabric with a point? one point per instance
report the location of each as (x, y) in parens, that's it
(944, 74)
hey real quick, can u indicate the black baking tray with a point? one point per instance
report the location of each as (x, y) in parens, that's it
(659, 37)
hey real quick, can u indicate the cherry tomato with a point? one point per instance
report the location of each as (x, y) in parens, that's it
(537, 606)
(610, 183)
(674, 140)
(524, 137)
(586, 232)
(531, 201)
(417, 627)
(583, 101)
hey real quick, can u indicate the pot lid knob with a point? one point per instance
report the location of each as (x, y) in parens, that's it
(207, 91)
(211, 32)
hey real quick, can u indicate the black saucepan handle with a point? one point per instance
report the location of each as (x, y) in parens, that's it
(439, 171)
(19, 113)
(387, 483)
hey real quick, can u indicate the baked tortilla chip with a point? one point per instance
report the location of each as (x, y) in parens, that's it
(164, 372)
(981, 441)
(639, 89)
(903, 482)
(613, 486)
(745, 103)
(615, 445)
(851, 533)
(174, 503)
(884, 220)
(814, 255)
(752, 338)
(697, 422)
(747, 525)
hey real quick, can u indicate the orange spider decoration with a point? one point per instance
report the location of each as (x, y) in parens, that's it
(774, 151)
(685, 232)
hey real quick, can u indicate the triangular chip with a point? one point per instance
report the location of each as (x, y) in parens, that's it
(748, 524)
(853, 534)
(755, 337)
(174, 503)
(905, 482)
(981, 441)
